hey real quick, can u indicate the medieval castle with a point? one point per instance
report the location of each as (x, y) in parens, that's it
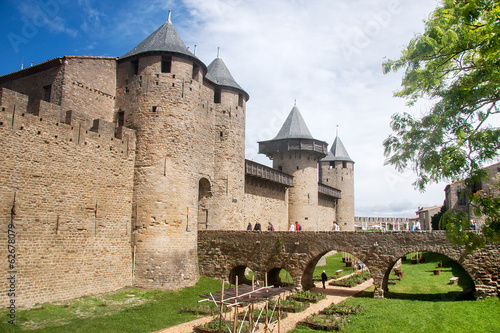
(110, 166)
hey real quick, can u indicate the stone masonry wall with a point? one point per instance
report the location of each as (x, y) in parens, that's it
(265, 202)
(89, 86)
(66, 192)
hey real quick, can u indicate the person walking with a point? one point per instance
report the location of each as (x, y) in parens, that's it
(324, 277)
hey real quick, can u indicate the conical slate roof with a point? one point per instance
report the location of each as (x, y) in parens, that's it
(294, 127)
(337, 152)
(220, 75)
(165, 38)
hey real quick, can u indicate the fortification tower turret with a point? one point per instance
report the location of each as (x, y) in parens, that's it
(295, 152)
(337, 170)
(160, 94)
(228, 185)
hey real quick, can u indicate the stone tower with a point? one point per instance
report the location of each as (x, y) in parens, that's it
(337, 170)
(228, 188)
(179, 114)
(294, 151)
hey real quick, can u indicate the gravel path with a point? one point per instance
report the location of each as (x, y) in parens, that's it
(333, 295)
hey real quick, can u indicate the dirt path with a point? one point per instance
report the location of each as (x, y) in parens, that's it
(333, 295)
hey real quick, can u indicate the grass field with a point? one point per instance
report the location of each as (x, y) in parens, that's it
(424, 302)
(333, 263)
(153, 310)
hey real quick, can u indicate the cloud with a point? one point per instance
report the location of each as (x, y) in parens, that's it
(328, 56)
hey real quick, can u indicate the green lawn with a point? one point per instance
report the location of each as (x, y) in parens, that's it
(333, 263)
(424, 302)
(157, 309)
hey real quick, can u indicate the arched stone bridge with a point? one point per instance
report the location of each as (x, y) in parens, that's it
(224, 254)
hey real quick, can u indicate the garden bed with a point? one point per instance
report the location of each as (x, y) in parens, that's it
(352, 280)
(307, 296)
(291, 305)
(341, 309)
(205, 308)
(324, 322)
(213, 327)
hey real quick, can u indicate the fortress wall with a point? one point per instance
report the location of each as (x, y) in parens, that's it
(89, 86)
(67, 191)
(265, 202)
(326, 212)
(84, 84)
(31, 81)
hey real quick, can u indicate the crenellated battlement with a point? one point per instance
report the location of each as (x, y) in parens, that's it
(51, 121)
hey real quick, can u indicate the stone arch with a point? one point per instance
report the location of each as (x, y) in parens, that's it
(306, 278)
(459, 259)
(204, 195)
(273, 277)
(239, 271)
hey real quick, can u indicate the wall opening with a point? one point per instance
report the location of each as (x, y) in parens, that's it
(134, 67)
(204, 195)
(428, 276)
(338, 266)
(244, 275)
(166, 64)
(217, 96)
(47, 92)
(279, 277)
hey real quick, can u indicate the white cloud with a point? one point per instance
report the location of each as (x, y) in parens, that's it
(328, 56)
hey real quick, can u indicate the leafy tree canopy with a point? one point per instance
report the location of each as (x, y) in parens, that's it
(455, 63)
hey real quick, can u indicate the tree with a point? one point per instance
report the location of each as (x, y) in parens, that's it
(455, 64)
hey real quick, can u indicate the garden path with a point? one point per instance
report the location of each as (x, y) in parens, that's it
(333, 295)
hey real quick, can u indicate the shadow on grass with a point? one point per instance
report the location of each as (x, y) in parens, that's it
(452, 296)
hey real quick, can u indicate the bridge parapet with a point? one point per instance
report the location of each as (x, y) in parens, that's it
(220, 252)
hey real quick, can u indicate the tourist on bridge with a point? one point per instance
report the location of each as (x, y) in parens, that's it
(257, 226)
(292, 227)
(336, 227)
(298, 227)
(249, 226)
(270, 227)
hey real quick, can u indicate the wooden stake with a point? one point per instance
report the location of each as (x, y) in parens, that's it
(221, 304)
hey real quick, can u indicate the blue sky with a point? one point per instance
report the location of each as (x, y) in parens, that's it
(326, 54)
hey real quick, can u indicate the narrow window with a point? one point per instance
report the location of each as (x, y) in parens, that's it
(134, 65)
(462, 198)
(121, 118)
(166, 64)
(344, 164)
(240, 100)
(280, 168)
(217, 96)
(154, 108)
(196, 70)
(47, 90)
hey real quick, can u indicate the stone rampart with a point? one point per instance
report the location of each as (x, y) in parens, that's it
(66, 197)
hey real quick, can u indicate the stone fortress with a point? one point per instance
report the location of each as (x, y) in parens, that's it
(110, 166)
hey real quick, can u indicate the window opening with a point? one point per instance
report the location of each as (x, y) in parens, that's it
(217, 96)
(166, 64)
(47, 90)
(135, 67)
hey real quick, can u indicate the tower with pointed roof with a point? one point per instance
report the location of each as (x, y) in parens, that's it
(337, 170)
(294, 151)
(189, 167)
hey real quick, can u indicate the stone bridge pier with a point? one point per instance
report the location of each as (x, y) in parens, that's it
(226, 254)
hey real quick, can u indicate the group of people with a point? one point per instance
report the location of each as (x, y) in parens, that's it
(293, 227)
(258, 227)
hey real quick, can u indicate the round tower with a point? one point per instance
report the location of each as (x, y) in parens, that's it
(337, 170)
(228, 103)
(294, 151)
(159, 94)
